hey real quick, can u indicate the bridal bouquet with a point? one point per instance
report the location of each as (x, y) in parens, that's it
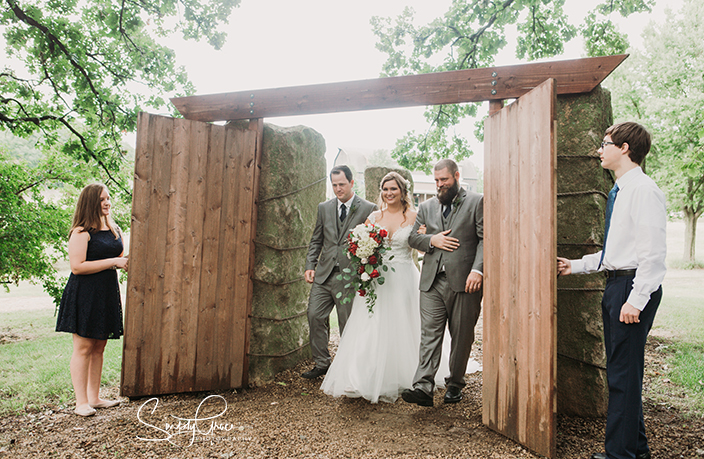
(365, 248)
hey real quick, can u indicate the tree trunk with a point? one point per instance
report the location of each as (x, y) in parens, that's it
(690, 233)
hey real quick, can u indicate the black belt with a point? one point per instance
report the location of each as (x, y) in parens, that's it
(620, 272)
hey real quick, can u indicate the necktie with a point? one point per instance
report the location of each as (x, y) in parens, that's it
(447, 210)
(609, 210)
(343, 212)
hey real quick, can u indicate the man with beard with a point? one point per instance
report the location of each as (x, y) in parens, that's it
(450, 282)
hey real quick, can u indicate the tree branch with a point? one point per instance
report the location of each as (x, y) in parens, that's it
(37, 120)
(22, 16)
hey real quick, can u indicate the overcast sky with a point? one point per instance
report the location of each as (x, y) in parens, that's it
(279, 43)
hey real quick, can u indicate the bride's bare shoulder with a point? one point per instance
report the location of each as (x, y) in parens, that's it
(374, 217)
(411, 216)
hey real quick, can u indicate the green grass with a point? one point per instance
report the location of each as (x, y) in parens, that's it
(688, 366)
(34, 367)
(681, 316)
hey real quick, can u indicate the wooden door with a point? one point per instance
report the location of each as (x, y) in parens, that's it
(189, 288)
(519, 335)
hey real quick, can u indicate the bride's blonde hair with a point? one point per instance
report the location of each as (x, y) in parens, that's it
(403, 186)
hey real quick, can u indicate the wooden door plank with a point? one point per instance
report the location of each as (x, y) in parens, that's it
(519, 316)
(152, 356)
(174, 232)
(133, 341)
(209, 312)
(472, 85)
(246, 167)
(193, 260)
(227, 289)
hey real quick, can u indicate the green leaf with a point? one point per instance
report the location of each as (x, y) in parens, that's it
(470, 35)
(338, 295)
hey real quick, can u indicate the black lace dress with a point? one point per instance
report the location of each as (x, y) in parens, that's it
(91, 306)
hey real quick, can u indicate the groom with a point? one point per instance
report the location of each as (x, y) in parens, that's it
(326, 258)
(450, 283)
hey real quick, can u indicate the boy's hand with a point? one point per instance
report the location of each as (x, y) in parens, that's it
(629, 314)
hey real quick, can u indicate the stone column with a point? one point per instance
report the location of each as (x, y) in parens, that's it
(292, 184)
(582, 187)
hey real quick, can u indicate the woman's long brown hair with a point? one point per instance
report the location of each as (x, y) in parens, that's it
(88, 212)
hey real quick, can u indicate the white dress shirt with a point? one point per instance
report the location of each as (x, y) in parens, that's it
(636, 237)
(347, 204)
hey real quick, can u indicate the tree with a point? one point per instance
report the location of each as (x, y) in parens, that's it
(90, 66)
(663, 87)
(85, 70)
(37, 198)
(470, 35)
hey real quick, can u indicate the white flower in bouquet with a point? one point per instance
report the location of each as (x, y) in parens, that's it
(360, 232)
(366, 247)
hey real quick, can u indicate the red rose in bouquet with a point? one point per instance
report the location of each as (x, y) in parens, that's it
(365, 248)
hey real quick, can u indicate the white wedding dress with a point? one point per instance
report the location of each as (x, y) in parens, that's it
(378, 353)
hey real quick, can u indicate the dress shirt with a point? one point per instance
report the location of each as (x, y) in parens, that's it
(636, 237)
(347, 204)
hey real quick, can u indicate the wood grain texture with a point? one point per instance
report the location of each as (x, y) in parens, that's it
(135, 298)
(198, 144)
(208, 312)
(520, 336)
(473, 85)
(189, 278)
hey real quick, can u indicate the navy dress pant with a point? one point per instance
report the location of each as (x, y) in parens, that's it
(625, 353)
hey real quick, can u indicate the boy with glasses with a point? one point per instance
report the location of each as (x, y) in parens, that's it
(633, 258)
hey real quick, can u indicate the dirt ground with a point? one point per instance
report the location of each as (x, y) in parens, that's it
(291, 417)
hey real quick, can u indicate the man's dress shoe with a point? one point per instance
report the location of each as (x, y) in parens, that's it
(453, 395)
(314, 373)
(417, 396)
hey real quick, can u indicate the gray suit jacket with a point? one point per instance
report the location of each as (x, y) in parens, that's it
(467, 224)
(328, 245)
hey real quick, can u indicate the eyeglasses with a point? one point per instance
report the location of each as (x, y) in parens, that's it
(603, 144)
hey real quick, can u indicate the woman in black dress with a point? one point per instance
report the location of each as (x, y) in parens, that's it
(91, 307)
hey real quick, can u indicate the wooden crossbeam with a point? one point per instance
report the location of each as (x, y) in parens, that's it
(473, 85)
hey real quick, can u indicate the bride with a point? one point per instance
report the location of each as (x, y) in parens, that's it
(378, 352)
